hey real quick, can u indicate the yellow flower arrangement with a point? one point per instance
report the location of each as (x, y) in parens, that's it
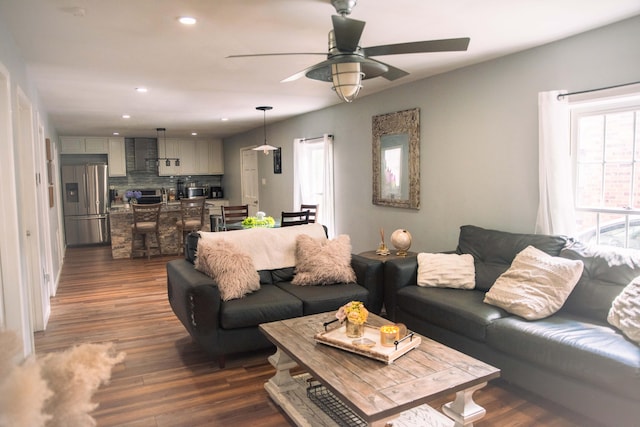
(354, 311)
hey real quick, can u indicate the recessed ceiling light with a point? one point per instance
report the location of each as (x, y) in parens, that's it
(187, 20)
(194, 133)
(225, 119)
(116, 133)
(126, 116)
(141, 89)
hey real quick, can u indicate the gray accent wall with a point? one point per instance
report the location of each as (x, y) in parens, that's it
(479, 141)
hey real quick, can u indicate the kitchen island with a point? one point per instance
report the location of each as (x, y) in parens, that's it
(121, 220)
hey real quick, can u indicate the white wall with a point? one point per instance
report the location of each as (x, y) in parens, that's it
(15, 287)
(479, 133)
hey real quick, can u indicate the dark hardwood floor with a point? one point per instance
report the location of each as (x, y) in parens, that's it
(166, 380)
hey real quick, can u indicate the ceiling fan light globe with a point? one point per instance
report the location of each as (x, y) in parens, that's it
(347, 80)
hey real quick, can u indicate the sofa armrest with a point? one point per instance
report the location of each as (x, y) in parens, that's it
(369, 274)
(194, 298)
(398, 273)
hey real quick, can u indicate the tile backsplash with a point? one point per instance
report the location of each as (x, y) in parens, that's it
(148, 178)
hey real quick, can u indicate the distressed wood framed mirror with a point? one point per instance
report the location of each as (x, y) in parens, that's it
(396, 159)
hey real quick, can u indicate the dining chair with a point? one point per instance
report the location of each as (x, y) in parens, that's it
(146, 221)
(233, 214)
(191, 217)
(313, 209)
(294, 218)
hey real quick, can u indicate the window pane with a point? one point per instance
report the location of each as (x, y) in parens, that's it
(586, 223)
(617, 186)
(619, 137)
(634, 232)
(589, 186)
(637, 134)
(591, 142)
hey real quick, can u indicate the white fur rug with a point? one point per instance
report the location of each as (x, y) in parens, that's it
(54, 390)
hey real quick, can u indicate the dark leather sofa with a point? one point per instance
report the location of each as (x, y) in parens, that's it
(573, 357)
(226, 327)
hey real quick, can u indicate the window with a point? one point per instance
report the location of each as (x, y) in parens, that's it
(313, 178)
(606, 139)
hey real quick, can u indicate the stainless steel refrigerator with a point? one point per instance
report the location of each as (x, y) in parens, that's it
(85, 201)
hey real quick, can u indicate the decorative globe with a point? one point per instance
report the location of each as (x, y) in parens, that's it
(401, 240)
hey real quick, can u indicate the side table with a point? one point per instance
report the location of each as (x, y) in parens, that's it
(384, 258)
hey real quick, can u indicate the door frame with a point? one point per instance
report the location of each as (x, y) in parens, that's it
(254, 206)
(29, 184)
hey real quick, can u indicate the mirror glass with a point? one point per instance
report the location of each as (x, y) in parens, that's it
(396, 159)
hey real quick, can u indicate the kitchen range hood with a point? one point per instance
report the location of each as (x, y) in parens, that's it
(145, 148)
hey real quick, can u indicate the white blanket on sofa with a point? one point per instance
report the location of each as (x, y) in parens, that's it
(270, 248)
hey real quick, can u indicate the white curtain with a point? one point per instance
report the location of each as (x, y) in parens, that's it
(313, 178)
(556, 213)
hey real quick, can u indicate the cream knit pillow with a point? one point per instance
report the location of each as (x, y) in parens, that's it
(625, 311)
(446, 271)
(536, 285)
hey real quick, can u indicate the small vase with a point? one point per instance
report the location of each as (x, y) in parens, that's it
(354, 330)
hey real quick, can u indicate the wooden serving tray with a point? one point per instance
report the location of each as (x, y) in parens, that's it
(337, 337)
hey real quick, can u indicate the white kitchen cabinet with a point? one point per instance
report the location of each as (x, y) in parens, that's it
(188, 156)
(96, 145)
(216, 157)
(197, 157)
(117, 157)
(83, 145)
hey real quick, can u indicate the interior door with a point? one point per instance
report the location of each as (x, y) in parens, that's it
(249, 179)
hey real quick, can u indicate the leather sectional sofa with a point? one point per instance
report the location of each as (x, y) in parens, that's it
(573, 357)
(226, 327)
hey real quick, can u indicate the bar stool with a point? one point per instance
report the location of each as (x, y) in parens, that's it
(191, 217)
(146, 221)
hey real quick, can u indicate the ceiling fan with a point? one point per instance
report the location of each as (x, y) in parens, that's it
(347, 63)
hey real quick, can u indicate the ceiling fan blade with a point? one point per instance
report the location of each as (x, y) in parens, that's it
(324, 64)
(276, 54)
(444, 45)
(394, 73)
(347, 32)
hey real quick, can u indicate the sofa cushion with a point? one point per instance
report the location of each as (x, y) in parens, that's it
(461, 311)
(572, 346)
(625, 311)
(536, 285)
(493, 251)
(446, 270)
(607, 270)
(322, 261)
(232, 269)
(283, 274)
(318, 299)
(268, 304)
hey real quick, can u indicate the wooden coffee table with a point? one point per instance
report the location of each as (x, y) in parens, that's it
(379, 394)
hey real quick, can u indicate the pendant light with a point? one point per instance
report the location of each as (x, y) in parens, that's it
(265, 147)
(167, 160)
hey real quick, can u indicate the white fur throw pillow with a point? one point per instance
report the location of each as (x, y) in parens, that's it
(323, 262)
(232, 269)
(536, 285)
(446, 271)
(625, 311)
